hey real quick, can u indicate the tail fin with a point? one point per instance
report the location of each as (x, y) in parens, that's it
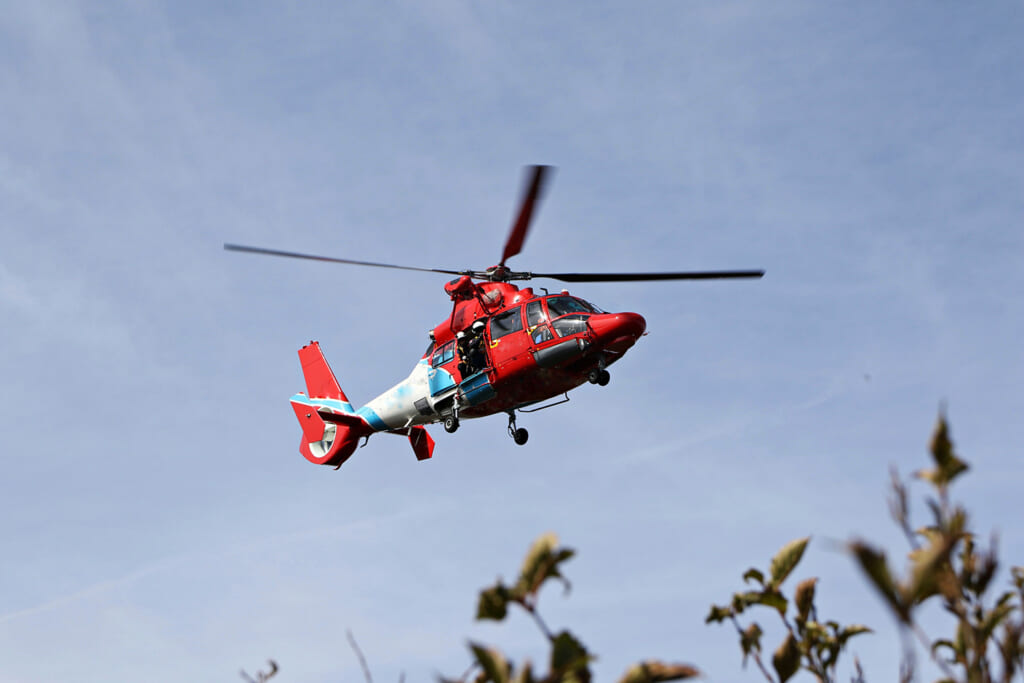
(330, 428)
(320, 379)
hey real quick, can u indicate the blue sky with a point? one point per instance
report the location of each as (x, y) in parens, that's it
(159, 522)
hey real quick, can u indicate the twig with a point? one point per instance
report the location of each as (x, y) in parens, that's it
(260, 676)
(359, 654)
(756, 654)
(898, 508)
(540, 622)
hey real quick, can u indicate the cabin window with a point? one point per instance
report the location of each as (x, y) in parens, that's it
(506, 323)
(444, 354)
(570, 324)
(535, 314)
(564, 305)
(540, 334)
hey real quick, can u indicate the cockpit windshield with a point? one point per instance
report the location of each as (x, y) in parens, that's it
(564, 305)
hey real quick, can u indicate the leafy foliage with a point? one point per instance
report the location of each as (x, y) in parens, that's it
(569, 660)
(807, 643)
(944, 565)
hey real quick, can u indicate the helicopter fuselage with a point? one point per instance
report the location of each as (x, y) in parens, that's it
(502, 349)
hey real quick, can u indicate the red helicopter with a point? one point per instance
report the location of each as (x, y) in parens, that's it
(503, 349)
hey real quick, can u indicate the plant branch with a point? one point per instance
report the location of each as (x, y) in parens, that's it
(359, 654)
(540, 622)
(754, 653)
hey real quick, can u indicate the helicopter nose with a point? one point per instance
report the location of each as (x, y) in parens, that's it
(617, 331)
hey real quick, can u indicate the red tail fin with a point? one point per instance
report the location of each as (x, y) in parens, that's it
(320, 379)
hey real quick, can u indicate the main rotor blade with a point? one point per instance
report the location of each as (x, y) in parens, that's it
(533, 191)
(311, 257)
(638, 277)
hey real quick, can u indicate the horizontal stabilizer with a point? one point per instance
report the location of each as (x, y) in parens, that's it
(348, 419)
(419, 439)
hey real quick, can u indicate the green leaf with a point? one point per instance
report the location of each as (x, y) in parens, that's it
(786, 659)
(653, 671)
(755, 574)
(786, 560)
(1018, 577)
(981, 579)
(815, 631)
(750, 641)
(875, 567)
(926, 566)
(851, 631)
(718, 614)
(568, 653)
(740, 601)
(992, 620)
(948, 465)
(493, 603)
(494, 665)
(804, 598)
(541, 563)
(773, 598)
(768, 597)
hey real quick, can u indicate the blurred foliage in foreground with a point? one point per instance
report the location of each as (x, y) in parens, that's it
(945, 566)
(569, 660)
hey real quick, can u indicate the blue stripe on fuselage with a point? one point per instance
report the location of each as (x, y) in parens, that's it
(372, 418)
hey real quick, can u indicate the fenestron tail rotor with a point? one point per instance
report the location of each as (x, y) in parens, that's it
(537, 179)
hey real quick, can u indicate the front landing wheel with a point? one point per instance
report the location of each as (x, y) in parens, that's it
(451, 423)
(520, 436)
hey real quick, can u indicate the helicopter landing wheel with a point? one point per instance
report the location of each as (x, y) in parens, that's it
(518, 435)
(599, 376)
(451, 423)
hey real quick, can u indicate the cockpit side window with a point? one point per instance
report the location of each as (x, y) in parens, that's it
(444, 354)
(430, 349)
(506, 323)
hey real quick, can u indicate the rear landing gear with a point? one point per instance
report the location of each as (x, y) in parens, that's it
(451, 421)
(520, 435)
(599, 376)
